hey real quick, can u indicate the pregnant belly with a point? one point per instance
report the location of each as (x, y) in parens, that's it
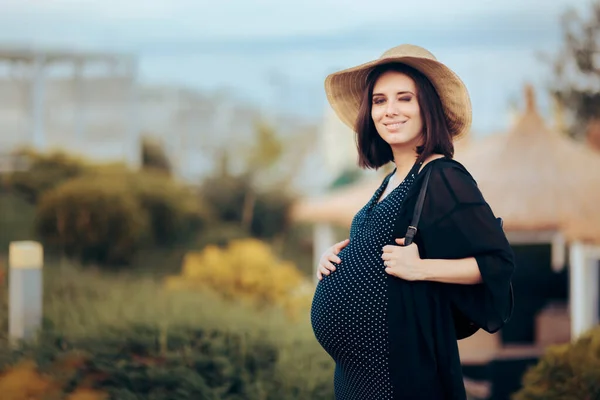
(348, 308)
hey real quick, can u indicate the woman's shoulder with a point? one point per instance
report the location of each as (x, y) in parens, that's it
(449, 175)
(446, 165)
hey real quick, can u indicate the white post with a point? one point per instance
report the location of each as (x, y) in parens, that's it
(577, 288)
(592, 276)
(583, 296)
(25, 290)
(323, 238)
(38, 136)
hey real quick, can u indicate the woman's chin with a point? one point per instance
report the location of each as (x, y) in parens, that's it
(398, 140)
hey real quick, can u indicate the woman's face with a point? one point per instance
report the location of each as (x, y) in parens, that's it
(395, 110)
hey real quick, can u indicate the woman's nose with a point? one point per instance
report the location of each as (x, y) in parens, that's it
(392, 108)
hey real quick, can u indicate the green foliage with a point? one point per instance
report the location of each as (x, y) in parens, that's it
(174, 212)
(225, 196)
(228, 197)
(220, 234)
(271, 214)
(91, 221)
(147, 362)
(109, 212)
(566, 372)
(577, 69)
(45, 172)
(124, 335)
(17, 218)
(266, 150)
(346, 177)
(154, 157)
(150, 363)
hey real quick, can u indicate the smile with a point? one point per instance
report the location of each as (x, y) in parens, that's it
(395, 125)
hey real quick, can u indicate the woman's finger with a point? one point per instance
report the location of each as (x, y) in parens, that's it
(339, 246)
(329, 266)
(334, 258)
(324, 270)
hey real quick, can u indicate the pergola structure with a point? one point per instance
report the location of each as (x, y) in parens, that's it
(36, 64)
(545, 186)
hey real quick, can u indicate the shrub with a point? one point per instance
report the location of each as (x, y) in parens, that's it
(567, 371)
(154, 156)
(174, 212)
(247, 269)
(45, 172)
(119, 332)
(142, 362)
(271, 215)
(225, 195)
(91, 221)
(230, 196)
(108, 213)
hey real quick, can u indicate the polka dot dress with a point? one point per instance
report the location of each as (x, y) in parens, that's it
(349, 307)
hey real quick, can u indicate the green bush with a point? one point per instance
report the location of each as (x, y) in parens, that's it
(566, 372)
(16, 220)
(271, 215)
(91, 221)
(174, 212)
(154, 157)
(145, 362)
(150, 363)
(45, 172)
(227, 197)
(133, 338)
(110, 212)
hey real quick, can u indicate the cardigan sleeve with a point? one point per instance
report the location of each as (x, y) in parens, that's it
(465, 226)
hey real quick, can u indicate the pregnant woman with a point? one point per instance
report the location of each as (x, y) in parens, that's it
(390, 314)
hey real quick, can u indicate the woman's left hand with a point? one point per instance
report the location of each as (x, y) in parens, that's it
(403, 261)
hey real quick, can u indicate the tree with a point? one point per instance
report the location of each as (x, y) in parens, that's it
(154, 156)
(576, 70)
(256, 200)
(270, 163)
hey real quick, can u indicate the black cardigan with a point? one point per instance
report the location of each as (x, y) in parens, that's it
(456, 222)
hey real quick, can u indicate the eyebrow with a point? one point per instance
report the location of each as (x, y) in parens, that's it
(404, 92)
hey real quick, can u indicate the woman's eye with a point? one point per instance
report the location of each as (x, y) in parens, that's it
(405, 98)
(378, 101)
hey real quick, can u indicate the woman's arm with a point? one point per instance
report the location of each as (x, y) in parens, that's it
(464, 271)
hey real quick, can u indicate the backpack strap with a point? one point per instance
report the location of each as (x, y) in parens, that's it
(412, 229)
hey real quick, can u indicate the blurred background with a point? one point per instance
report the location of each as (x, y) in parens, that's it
(171, 172)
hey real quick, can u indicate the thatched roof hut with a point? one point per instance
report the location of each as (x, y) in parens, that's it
(537, 179)
(339, 206)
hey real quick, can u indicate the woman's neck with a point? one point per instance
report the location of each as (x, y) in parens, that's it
(404, 159)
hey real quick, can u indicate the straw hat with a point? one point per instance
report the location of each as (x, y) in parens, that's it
(344, 88)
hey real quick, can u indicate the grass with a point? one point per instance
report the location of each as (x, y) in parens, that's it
(80, 303)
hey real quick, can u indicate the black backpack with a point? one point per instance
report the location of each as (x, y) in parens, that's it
(462, 325)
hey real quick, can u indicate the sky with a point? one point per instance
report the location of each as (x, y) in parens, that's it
(276, 54)
(147, 20)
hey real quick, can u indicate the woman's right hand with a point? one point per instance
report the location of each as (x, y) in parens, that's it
(330, 256)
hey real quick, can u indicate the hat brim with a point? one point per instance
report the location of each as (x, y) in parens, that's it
(344, 90)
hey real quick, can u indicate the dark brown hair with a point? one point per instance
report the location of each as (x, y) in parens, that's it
(373, 151)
